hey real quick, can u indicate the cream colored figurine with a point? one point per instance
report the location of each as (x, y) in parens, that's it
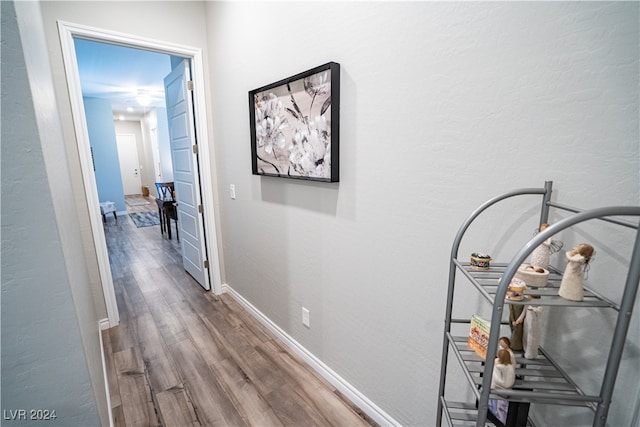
(504, 343)
(531, 317)
(542, 254)
(504, 372)
(572, 286)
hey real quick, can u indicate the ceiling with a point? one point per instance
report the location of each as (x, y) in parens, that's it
(121, 74)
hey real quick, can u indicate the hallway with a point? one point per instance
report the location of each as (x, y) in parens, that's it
(182, 356)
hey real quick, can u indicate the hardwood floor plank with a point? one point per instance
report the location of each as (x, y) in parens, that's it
(292, 411)
(137, 405)
(245, 395)
(118, 416)
(122, 337)
(242, 352)
(249, 326)
(312, 389)
(211, 348)
(182, 356)
(160, 368)
(212, 405)
(175, 409)
(167, 323)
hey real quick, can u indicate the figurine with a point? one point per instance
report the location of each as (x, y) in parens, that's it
(541, 255)
(516, 329)
(504, 343)
(503, 376)
(532, 275)
(530, 318)
(572, 287)
(504, 372)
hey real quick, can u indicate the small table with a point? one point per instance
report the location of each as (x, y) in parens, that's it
(107, 207)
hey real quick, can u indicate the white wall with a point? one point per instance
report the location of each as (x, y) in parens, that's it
(50, 340)
(443, 106)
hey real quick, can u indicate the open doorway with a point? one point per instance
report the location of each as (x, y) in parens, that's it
(122, 87)
(201, 161)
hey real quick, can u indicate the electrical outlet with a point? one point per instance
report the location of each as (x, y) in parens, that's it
(232, 191)
(305, 317)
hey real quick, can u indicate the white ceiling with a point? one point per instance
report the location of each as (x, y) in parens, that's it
(120, 74)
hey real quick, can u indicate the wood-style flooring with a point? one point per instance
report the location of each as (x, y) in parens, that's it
(185, 357)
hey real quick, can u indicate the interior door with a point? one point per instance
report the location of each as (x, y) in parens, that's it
(185, 172)
(129, 164)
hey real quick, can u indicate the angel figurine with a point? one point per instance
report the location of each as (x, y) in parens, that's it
(541, 255)
(572, 286)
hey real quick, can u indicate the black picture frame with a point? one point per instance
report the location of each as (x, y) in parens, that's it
(295, 126)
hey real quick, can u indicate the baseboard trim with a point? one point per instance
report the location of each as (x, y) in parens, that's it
(104, 324)
(101, 327)
(351, 393)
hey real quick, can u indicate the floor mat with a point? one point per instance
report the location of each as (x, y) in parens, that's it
(145, 219)
(136, 201)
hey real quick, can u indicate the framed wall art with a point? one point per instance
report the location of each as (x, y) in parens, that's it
(295, 126)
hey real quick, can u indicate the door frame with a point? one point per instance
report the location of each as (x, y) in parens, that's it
(68, 31)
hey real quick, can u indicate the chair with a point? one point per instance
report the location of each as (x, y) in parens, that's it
(108, 207)
(167, 207)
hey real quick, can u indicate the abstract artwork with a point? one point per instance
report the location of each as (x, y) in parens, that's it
(295, 126)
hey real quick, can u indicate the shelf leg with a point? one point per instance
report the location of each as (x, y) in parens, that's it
(619, 336)
(546, 198)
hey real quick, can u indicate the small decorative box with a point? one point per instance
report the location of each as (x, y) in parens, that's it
(516, 290)
(480, 261)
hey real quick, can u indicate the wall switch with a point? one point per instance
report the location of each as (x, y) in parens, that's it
(305, 317)
(232, 191)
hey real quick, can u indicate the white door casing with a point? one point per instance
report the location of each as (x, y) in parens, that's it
(157, 167)
(129, 163)
(185, 172)
(68, 31)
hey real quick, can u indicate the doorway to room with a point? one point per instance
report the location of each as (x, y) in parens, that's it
(201, 192)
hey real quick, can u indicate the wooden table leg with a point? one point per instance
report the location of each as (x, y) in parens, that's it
(167, 219)
(160, 215)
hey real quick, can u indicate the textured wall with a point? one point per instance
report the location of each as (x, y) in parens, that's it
(443, 106)
(50, 348)
(102, 137)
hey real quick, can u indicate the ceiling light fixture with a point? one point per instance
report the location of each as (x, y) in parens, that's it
(143, 98)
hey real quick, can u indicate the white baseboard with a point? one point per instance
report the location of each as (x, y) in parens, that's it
(104, 324)
(351, 393)
(102, 327)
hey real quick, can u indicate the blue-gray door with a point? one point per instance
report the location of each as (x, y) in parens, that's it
(185, 172)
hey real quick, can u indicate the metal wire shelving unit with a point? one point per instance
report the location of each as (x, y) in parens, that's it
(540, 380)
